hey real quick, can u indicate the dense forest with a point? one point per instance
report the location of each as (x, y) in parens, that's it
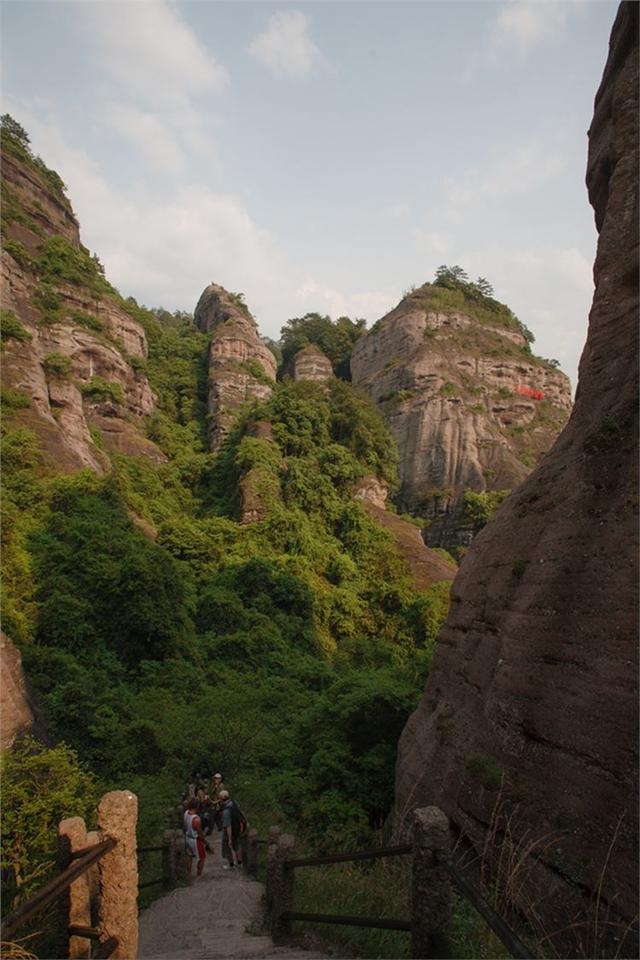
(164, 637)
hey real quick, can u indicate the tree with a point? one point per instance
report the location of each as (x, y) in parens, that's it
(15, 131)
(483, 286)
(334, 338)
(451, 276)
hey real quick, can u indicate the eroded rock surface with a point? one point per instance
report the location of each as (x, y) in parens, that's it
(76, 363)
(530, 709)
(241, 367)
(16, 711)
(468, 408)
(310, 363)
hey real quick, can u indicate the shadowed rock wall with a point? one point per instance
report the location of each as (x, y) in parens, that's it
(534, 682)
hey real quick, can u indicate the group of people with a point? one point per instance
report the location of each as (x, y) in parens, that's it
(208, 806)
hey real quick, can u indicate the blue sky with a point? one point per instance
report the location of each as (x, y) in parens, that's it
(322, 156)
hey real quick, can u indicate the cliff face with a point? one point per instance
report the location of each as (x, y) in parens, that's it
(534, 682)
(16, 713)
(241, 367)
(70, 349)
(468, 407)
(310, 363)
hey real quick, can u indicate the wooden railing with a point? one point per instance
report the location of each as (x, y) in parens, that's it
(432, 876)
(100, 878)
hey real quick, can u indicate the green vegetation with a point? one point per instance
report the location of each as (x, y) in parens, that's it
(60, 262)
(19, 253)
(14, 399)
(255, 368)
(518, 568)
(14, 142)
(486, 770)
(605, 438)
(449, 390)
(11, 328)
(334, 337)
(479, 507)
(397, 396)
(58, 366)
(49, 302)
(479, 295)
(97, 390)
(88, 320)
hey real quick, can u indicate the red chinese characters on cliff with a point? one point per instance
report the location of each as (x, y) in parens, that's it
(530, 392)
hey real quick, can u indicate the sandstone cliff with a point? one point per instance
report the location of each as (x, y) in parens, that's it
(73, 356)
(241, 367)
(469, 406)
(530, 710)
(16, 711)
(310, 363)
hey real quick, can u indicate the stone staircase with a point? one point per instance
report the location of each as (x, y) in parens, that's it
(210, 919)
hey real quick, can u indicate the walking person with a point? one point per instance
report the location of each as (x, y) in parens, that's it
(194, 838)
(233, 825)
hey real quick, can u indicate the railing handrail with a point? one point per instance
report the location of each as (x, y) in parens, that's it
(374, 853)
(52, 890)
(380, 923)
(504, 933)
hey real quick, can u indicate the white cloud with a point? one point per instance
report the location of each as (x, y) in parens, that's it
(286, 48)
(311, 295)
(146, 49)
(150, 133)
(521, 25)
(512, 172)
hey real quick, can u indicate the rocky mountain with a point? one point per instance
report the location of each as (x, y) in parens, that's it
(73, 354)
(469, 405)
(241, 367)
(527, 733)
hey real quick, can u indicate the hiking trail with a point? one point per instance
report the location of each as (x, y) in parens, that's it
(208, 920)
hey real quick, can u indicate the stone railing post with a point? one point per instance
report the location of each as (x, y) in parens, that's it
(281, 887)
(430, 885)
(118, 915)
(252, 852)
(72, 836)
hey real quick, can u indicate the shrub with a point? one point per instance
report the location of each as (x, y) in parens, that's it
(97, 390)
(49, 303)
(19, 253)
(10, 327)
(14, 399)
(88, 320)
(479, 507)
(58, 366)
(61, 262)
(449, 390)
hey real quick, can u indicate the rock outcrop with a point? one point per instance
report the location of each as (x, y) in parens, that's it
(71, 350)
(241, 367)
(16, 710)
(527, 734)
(310, 363)
(468, 405)
(426, 565)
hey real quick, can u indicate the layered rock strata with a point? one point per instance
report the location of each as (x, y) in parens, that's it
(467, 405)
(241, 367)
(310, 363)
(527, 734)
(74, 361)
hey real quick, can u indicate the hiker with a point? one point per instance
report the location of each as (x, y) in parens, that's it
(217, 786)
(194, 837)
(234, 823)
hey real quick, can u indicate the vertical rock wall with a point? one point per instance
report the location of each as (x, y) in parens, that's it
(530, 710)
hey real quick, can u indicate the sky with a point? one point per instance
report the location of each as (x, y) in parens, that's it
(322, 156)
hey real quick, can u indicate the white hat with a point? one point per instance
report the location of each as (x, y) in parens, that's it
(217, 776)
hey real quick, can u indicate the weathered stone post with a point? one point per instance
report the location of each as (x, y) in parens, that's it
(118, 917)
(252, 852)
(93, 875)
(72, 836)
(282, 887)
(430, 885)
(272, 846)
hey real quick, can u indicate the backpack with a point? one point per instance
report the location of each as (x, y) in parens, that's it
(238, 819)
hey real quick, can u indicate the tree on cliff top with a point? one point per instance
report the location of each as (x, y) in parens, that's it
(334, 338)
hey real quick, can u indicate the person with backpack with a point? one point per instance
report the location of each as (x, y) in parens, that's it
(234, 824)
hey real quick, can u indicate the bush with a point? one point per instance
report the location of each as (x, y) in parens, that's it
(49, 303)
(58, 366)
(88, 320)
(60, 262)
(10, 327)
(14, 399)
(97, 390)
